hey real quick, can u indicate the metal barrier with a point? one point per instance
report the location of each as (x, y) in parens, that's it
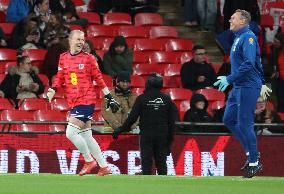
(278, 126)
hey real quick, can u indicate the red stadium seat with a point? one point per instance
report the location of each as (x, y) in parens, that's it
(172, 70)
(97, 116)
(60, 104)
(183, 57)
(183, 107)
(101, 53)
(51, 115)
(2, 77)
(101, 43)
(37, 56)
(18, 115)
(140, 57)
(8, 65)
(148, 19)
(101, 31)
(165, 32)
(171, 82)
(7, 28)
(6, 55)
(137, 81)
(4, 4)
(179, 93)
(6, 104)
(44, 79)
(32, 104)
(92, 17)
(216, 67)
(266, 21)
(146, 69)
(133, 32)
(148, 45)
(117, 19)
(212, 94)
(217, 105)
(281, 115)
(108, 80)
(137, 91)
(76, 27)
(179, 45)
(2, 17)
(162, 57)
(78, 2)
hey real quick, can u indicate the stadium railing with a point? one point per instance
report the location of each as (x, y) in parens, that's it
(5, 127)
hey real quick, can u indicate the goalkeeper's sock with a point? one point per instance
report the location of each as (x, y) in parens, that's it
(72, 133)
(94, 147)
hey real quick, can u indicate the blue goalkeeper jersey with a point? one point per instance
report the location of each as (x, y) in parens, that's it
(246, 68)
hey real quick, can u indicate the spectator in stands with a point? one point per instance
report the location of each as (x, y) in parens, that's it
(55, 31)
(118, 58)
(276, 64)
(207, 11)
(89, 48)
(41, 9)
(26, 34)
(263, 114)
(68, 11)
(3, 42)
(21, 81)
(190, 12)
(18, 10)
(197, 73)
(197, 113)
(122, 94)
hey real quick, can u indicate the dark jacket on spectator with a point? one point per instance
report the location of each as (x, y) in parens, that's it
(12, 79)
(197, 115)
(115, 63)
(190, 72)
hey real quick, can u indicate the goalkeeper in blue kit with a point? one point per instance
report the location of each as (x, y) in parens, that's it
(248, 84)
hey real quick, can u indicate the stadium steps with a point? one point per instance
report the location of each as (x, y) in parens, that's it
(172, 13)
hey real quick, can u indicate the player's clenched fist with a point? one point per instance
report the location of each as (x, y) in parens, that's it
(50, 93)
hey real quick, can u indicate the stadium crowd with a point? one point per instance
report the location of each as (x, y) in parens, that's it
(34, 33)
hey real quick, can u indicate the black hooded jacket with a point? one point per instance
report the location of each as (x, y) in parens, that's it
(197, 115)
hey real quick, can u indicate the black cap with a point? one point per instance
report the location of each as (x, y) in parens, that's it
(123, 76)
(119, 40)
(155, 80)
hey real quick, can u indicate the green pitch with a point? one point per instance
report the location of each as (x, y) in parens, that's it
(123, 184)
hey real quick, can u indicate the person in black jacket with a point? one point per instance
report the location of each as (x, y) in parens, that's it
(157, 114)
(21, 81)
(197, 73)
(198, 113)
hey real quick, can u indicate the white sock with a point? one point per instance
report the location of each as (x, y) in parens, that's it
(72, 133)
(94, 147)
(247, 153)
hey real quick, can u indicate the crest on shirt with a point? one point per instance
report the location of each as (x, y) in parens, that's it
(81, 66)
(251, 40)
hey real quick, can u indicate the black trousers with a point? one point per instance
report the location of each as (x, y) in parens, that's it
(153, 147)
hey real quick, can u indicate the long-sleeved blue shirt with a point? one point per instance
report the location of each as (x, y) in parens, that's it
(246, 68)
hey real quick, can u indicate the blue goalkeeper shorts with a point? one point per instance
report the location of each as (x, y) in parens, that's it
(83, 112)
